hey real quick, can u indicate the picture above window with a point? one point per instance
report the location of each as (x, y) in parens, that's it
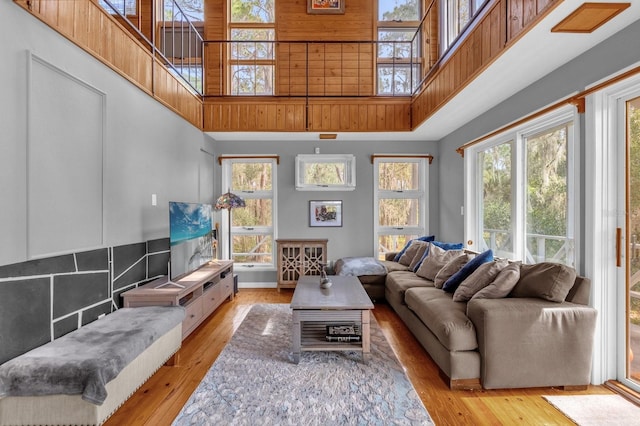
(316, 172)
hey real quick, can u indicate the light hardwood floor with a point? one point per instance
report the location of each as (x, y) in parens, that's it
(159, 400)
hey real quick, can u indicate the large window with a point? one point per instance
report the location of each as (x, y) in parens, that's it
(252, 53)
(252, 227)
(455, 16)
(400, 202)
(398, 59)
(520, 192)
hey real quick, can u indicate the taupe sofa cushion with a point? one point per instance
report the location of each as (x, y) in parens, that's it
(436, 260)
(546, 280)
(414, 248)
(479, 279)
(451, 268)
(399, 281)
(446, 319)
(393, 266)
(502, 285)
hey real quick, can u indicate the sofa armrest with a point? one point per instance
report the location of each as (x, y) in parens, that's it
(390, 255)
(526, 342)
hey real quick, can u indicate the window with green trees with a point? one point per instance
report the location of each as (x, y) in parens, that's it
(252, 56)
(522, 203)
(400, 202)
(398, 46)
(456, 15)
(252, 227)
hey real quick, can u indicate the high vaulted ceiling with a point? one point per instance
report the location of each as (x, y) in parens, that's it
(534, 55)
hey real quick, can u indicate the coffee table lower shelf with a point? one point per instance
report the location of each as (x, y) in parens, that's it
(310, 331)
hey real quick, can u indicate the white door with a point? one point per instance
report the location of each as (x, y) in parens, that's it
(628, 120)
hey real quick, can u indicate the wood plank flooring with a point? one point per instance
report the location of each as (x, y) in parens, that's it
(160, 399)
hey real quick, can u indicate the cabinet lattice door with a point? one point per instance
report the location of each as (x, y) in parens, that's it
(298, 257)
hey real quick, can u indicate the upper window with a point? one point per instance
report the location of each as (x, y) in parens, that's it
(252, 57)
(398, 62)
(124, 7)
(192, 10)
(252, 227)
(325, 172)
(400, 202)
(521, 196)
(456, 14)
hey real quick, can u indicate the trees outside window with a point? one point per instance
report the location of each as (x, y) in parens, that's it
(400, 206)
(252, 53)
(520, 192)
(398, 56)
(455, 16)
(252, 227)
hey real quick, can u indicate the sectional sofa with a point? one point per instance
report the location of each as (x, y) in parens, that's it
(491, 323)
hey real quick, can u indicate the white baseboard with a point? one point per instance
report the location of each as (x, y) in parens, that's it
(257, 285)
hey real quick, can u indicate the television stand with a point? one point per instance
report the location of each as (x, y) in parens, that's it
(199, 292)
(171, 283)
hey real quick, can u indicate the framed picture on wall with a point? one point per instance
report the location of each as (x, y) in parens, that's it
(325, 213)
(325, 6)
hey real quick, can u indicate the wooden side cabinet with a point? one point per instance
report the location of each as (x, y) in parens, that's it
(200, 292)
(299, 257)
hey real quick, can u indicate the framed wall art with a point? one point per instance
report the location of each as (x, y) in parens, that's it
(325, 6)
(325, 213)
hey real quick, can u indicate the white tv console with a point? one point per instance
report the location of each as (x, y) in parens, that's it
(200, 292)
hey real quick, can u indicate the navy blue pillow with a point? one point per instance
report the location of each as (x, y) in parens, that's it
(456, 279)
(448, 246)
(443, 246)
(427, 238)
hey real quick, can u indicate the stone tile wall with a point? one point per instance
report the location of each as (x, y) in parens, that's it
(43, 299)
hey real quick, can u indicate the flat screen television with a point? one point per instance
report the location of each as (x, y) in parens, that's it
(190, 237)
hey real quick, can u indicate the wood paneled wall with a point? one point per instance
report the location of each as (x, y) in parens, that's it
(313, 114)
(521, 13)
(485, 42)
(89, 26)
(360, 115)
(255, 114)
(313, 80)
(295, 24)
(325, 69)
(477, 51)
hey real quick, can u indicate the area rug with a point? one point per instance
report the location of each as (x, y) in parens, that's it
(597, 410)
(255, 382)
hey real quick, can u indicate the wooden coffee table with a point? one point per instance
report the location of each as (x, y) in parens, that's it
(314, 308)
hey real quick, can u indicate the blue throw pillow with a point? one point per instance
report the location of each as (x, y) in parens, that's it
(448, 246)
(443, 246)
(427, 238)
(456, 279)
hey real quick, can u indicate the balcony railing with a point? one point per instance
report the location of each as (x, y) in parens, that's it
(306, 68)
(277, 68)
(538, 248)
(176, 41)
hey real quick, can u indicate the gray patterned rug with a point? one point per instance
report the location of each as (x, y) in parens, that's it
(255, 382)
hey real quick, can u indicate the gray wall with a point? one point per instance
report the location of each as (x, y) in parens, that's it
(616, 53)
(355, 237)
(144, 148)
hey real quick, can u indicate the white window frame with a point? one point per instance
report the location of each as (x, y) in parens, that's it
(450, 28)
(605, 127)
(348, 160)
(413, 63)
(518, 135)
(232, 62)
(227, 168)
(421, 193)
